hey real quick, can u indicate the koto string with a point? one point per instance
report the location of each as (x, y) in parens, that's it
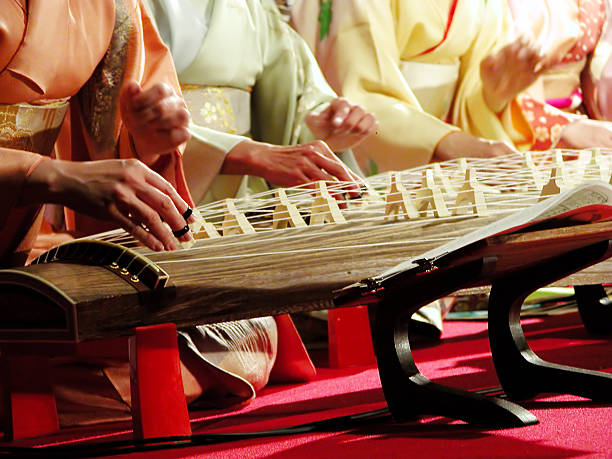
(508, 186)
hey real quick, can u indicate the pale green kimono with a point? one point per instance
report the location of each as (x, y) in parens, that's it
(245, 44)
(242, 44)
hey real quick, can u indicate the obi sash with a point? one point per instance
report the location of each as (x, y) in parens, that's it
(220, 108)
(31, 128)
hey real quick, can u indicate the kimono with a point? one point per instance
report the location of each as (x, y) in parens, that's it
(245, 74)
(416, 66)
(62, 66)
(68, 59)
(568, 32)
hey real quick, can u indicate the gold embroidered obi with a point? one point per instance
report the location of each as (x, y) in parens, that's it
(31, 127)
(220, 108)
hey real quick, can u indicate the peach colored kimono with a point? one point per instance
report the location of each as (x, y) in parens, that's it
(77, 52)
(71, 57)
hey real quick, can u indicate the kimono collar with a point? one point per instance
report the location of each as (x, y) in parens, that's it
(183, 25)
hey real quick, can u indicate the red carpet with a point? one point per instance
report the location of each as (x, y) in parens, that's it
(569, 426)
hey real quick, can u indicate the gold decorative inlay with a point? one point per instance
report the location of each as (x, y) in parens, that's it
(31, 127)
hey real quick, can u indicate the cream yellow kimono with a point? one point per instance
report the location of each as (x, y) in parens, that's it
(246, 47)
(415, 65)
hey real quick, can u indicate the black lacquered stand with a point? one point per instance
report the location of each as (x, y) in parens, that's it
(521, 372)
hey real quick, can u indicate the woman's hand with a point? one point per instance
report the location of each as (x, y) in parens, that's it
(342, 125)
(585, 133)
(124, 191)
(510, 71)
(290, 165)
(157, 119)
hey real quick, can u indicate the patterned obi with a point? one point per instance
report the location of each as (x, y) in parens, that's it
(220, 108)
(31, 127)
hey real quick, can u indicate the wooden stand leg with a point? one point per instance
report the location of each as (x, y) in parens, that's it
(595, 308)
(350, 342)
(29, 402)
(407, 391)
(159, 408)
(521, 372)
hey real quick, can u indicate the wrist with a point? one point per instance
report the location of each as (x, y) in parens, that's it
(41, 184)
(446, 145)
(495, 104)
(141, 151)
(242, 159)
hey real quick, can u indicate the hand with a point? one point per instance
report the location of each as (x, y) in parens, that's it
(157, 118)
(584, 133)
(124, 191)
(342, 125)
(510, 71)
(460, 144)
(290, 165)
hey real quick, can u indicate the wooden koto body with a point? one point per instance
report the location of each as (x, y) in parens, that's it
(300, 250)
(73, 302)
(255, 269)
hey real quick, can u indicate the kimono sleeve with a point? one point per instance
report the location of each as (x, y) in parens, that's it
(470, 111)
(360, 57)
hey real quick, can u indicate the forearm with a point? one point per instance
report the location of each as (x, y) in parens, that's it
(14, 167)
(46, 182)
(242, 159)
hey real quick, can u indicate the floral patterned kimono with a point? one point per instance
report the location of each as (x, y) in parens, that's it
(568, 32)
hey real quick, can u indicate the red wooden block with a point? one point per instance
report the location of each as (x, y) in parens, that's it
(29, 402)
(292, 363)
(350, 340)
(159, 408)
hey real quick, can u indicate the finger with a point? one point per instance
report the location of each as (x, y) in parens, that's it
(334, 166)
(146, 115)
(352, 120)
(334, 187)
(161, 184)
(164, 199)
(152, 96)
(128, 91)
(139, 233)
(164, 114)
(352, 177)
(167, 140)
(324, 116)
(294, 177)
(367, 124)
(137, 216)
(178, 136)
(340, 109)
(148, 216)
(523, 54)
(171, 116)
(163, 206)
